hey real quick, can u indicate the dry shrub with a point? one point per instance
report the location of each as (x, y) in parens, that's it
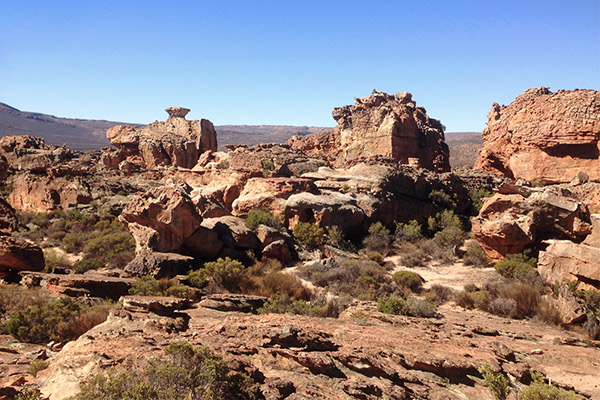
(279, 283)
(16, 298)
(503, 307)
(526, 296)
(475, 255)
(546, 312)
(438, 294)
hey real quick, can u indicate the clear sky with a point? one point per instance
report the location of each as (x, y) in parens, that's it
(289, 62)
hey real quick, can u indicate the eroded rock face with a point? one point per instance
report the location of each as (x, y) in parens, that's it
(176, 141)
(44, 193)
(544, 136)
(381, 125)
(28, 153)
(18, 255)
(508, 223)
(8, 218)
(161, 219)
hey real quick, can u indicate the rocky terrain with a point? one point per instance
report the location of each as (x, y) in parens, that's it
(346, 264)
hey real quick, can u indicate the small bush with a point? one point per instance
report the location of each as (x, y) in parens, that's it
(378, 238)
(409, 279)
(283, 304)
(36, 366)
(264, 217)
(517, 266)
(496, 382)
(55, 261)
(410, 306)
(475, 256)
(182, 372)
(477, 299)
(450, 237)
(85, 265)
(438, 294)
(334, 236)
(308, 235)
(411, 232)
(18, 298)
(546, 312)
(222, 274)
(29, 393)
(278, 283)
(540, 390)
(592, 326)
(477, 198)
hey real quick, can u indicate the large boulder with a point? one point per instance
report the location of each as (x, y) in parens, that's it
(269, 193)
(161, 219)
(176, 141)
(508, 223)
(159, 265)
(18, 255)
(544, 136)
(381, 125)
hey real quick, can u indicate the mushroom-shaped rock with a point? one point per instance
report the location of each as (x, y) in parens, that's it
(177, 112)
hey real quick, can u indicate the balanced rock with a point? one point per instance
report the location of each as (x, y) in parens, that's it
(176, 141)
(381, 125)
(544, 136)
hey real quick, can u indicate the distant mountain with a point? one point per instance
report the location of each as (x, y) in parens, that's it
(85, 134)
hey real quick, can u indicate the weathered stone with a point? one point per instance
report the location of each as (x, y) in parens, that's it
(28, 153)
(161, 219)
(90, 284)
(233, 232)
(383, 125)
(233, 302)
(159, 265)
(155, 304)
(203, 243)
(544, 136)
(18, 255)
(8, 218)
(563, 259)
(175, 141)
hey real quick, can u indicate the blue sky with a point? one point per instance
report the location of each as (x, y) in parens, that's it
(289, 62)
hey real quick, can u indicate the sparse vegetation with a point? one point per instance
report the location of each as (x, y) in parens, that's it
(317, 307)
(182, 372)
(148, 286)
(36, 366)
(442, 199)
(410, 306)
(517, 266)
(540, 390)
(477, 198)
(411, 232)
(409, 279)
(378, 238)
(222, 274)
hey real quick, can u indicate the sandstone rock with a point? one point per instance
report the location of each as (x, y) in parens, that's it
(507, 224)
(233, 302)
(175, 141)
(158, 265)
(381, 124)
(8, 218)
(3, 168)
(28, 153)
(204, 243)
(161, 219)
(278, 250)
(233, 232)
(563, 259)
(154, 304)
(43, 193)
(18, 255)
(544, 136)
(90, 284)
(269, 193)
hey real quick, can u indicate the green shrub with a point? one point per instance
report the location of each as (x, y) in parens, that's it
(411, 232)
(268, 166)
(53, 261)
(89, 264)
(224, 273)
(182, 372)
(334, 236)
(442, 199)
(517, 266)
(443, 220)
(61, 320)
(378, 238)
(29, 393)
(264, 217)
(410, 306)
(476, 299)
(540, 390)
(409, 279)
(438, 294)
(496, 382)
(450, 237)
(36, 366)
(308, 235)
(283, 304)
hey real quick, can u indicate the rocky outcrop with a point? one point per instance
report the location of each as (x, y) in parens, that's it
(159, 265)
(45, 193)
(90, 284)
(18, 255)
(508, 223)
(544, 136)
(28, 153)
(8, 218)
(381, 125)
(176, 141)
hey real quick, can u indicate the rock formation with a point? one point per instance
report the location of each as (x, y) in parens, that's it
(28, 153)
(544, 136)
(381, 125)
(176, 141)
(18, 255)
(509, 223)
